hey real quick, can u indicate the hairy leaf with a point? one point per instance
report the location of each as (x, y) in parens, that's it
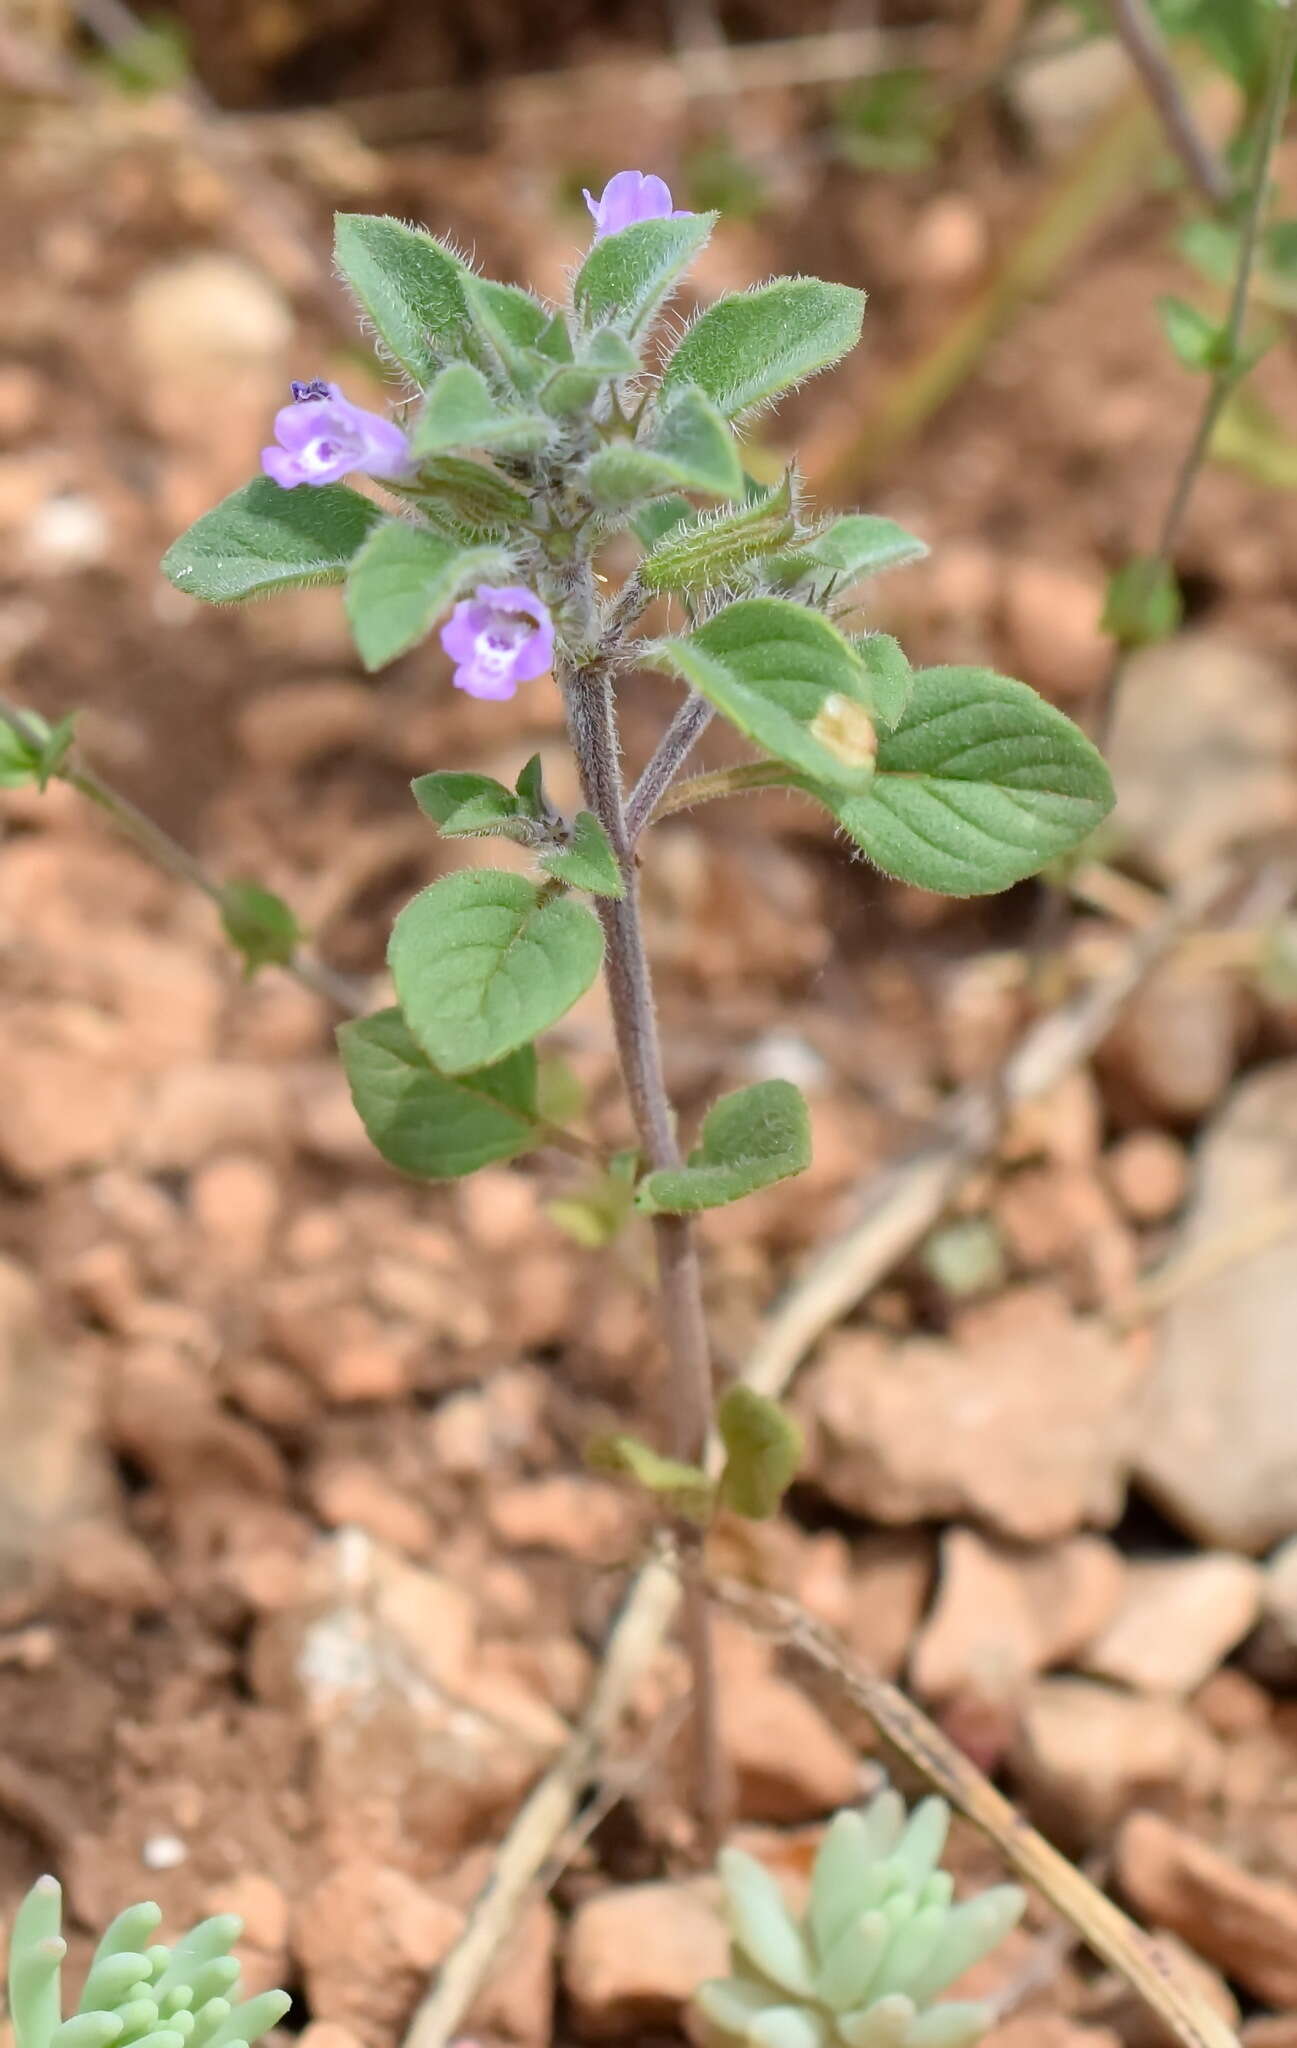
(402, 580)
(484, 960)
(750, 347)
(409, 285)
(262, 538)
(588, 862)
(763, 1447)
(712, 549)
(749, 1140)
(460, 411)
(689, 448)
(627, 275)
(436, 1126)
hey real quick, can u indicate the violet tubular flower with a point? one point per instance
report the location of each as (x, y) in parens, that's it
(498, 638)
(322, 437)
(632, 196)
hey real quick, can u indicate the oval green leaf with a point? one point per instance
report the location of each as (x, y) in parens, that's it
(749, 1140)
(750, 347)
(435, 1126)
(262, 538)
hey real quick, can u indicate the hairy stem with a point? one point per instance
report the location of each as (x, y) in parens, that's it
(592, 720)
(1138, 29)
(673, 749)
(1226, 377)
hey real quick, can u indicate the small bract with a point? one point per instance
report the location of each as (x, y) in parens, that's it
(879, 1942)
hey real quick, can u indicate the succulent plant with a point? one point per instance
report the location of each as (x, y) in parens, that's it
(136, 1992)
(880, 1940)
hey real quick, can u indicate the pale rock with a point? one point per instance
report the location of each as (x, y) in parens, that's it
(235, 1200)
(500, 1208)
(1173, 1049)
(635, 1956)
(1233, 1705)
(950, 239)
(1086, 1752)
(516, 2004)
(272, 1394)
(1202, 713)
(164, 1414)
(1003, 1613)
(1044, 2029)
(102, 1561)
(289, 727)
(366, 1938)
(1020, 1423)
(1270, 2030)
(1217, 1439)
(1148, 1172)
(346, 1492)
(1272, 1653)
(1179, 1618)
(459, 1434)
(66, 1108)
(205, 309)
(205, 1107)
(52, 1470)
(1068, 85)
(789, 1763)
(891, 1577)
(567, 1513)
(1052, 611)
(1246, 1925)
(1061, 1217)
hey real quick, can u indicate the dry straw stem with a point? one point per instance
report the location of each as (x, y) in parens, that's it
(896, 1209)
(1146, 47)
(1103, 1926)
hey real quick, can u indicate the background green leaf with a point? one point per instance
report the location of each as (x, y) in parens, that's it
(588, 862)
(749, 1140)
(259, 924)
(981, 783)
(460, 411)
(756, 344)
(484, 960)
(262, 538)
(436, 1126)
(763, 1447)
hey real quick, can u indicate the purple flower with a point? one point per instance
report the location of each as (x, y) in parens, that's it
(497, 639)
(632, 196)
(322, 436)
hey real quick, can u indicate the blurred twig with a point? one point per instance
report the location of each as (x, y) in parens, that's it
(1146, 47)
(897, 1207)
(1102, 1925)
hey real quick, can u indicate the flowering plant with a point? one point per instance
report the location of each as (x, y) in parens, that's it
(528, 438)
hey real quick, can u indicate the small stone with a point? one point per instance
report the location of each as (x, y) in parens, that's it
(891, 1576)
(1233, 733)
(366, 1938)
(1055, 1217)
(1086, 1753)
(235, 1200)
(1233, 1705)
(165, 1415)
(1270, 2030)
(459, 1434)
(1244, 1924)
(65, 1109)
(1065, 1124)
(1216, 1444)
(575, 1516)
(981, 1635)
(1052, 611)
(500, 1209)
(1272, 1653)
(287, 728)
(789, 1763)
(259, 1903)
(1148, 1172)
(164, 1852)
(950, 239)
(205, 1107)
(1172, 1052)
(103, 1562)
(348, 1493)
(635, 1956)
(1178, 1619)
(926, 1429)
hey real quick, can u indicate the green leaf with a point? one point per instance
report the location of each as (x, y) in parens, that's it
(510, 324)
(785, 677)
(573, 387)
(17, 757)
(401, 582)
(749, 1140)
(890, 676)
(409, 285)
(36, 1951)
(588, 862)
(436, 1126)
(660, 517)
(712, 549)
(1143, 602)
(467, 499)
(981, 783)
(263, 538)
(856, 546)
(685, 1489)
(259, 925)
(763, 1448)
(763, 1928)
(1195, 340)
(627, 275)
(484, 960)
(446, 790)
(751, 347)
(530, 788)
(689, 448)
(461, 412)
